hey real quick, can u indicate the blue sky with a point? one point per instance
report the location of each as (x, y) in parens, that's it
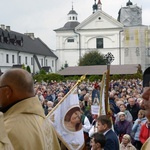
(43, 16)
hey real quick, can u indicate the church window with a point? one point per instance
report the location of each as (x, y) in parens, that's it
(42, 62)
(99, 43)
(7, 58)
(46, 62)
(52, 63)
(31, 60)
(26, 60)
(70, 40)
(13, 59)
(19, 59)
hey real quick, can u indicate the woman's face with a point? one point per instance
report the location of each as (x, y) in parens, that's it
(140, 115)
(76, 117)
(122, 117)
(122, 108)
(125, 140)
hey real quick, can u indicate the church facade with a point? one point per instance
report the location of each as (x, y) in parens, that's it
(126, 38)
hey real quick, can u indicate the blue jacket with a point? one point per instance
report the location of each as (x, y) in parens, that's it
(137, 127)
(112, 142)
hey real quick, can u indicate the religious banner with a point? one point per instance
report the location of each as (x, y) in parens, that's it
(94, 109)
(102, 106)
(66, 120)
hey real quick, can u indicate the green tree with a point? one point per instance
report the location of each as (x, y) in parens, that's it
(28, 69)
(24, 67)
(92, 58)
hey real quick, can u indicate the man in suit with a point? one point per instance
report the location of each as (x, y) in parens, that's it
(104, 126)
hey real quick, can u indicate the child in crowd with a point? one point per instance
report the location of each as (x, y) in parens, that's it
(97, 141)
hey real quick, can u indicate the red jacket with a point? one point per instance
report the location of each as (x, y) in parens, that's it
(144, 132)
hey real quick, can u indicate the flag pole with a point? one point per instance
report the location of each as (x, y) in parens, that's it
(79, 81)
(107, 89)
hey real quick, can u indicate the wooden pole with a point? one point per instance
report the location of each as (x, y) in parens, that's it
(107, 89)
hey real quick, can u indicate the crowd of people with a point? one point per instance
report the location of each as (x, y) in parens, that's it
(125, 99)
(127, 128)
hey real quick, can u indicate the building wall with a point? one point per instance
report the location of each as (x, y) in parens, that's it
(72, 51)
(136, 46)
(6, 60)
(130, 46)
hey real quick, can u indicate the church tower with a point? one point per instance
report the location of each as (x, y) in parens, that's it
(67, 40)
(97, 6)
(131, 15)
(135, 35)
(94, 7)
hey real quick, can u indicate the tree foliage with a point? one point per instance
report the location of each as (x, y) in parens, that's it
(28, 69)
(92, 58)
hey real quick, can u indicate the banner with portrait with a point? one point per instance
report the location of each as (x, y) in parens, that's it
(66, 119)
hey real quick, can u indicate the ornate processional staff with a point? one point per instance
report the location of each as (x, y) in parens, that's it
(109, 59)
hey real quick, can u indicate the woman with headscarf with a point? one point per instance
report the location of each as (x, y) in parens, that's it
(122, 126)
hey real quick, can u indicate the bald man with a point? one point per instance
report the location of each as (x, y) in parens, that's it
(24, 118)
(146, 104)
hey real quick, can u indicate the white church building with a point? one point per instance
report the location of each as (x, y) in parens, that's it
(126, 38)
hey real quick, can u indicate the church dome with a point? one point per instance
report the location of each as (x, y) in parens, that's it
(71, 25)
(72, 12)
